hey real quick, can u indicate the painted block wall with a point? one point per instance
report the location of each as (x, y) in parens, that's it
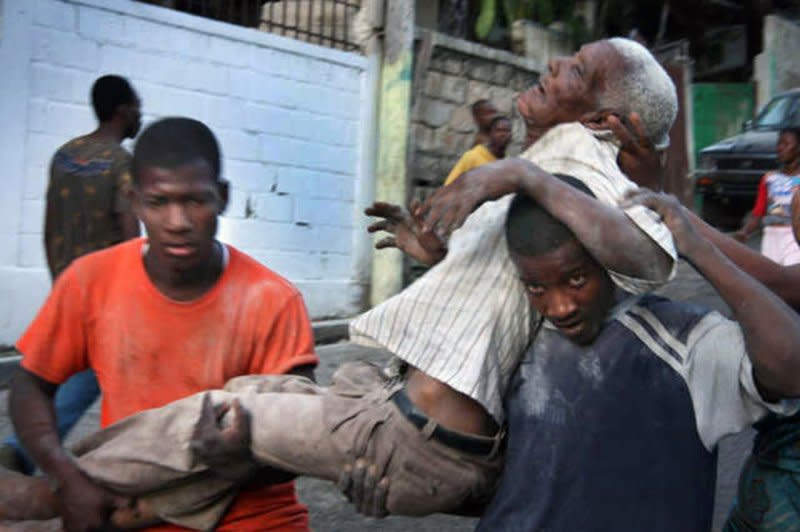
(294, 121)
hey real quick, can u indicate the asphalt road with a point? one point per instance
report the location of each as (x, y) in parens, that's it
(330, 512)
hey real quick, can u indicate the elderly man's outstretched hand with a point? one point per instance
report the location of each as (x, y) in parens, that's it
(674, 215)
(448, 208)
(406, 232)
(225, 449)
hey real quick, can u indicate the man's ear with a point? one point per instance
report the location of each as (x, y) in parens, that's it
(224, 191)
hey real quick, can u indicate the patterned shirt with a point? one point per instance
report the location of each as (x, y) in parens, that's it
(467, 321)
(89, 182)
(774, 198)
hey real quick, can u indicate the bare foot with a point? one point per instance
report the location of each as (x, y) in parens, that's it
(23, 497)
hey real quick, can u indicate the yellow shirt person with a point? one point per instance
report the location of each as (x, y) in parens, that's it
(495, 148)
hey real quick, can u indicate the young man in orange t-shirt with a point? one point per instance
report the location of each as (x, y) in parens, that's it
(159, 319)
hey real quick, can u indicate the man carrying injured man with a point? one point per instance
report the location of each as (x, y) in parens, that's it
(459, 331)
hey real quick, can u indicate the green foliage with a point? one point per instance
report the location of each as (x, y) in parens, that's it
(486, 19)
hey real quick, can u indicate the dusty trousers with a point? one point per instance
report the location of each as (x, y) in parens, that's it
(299, 427)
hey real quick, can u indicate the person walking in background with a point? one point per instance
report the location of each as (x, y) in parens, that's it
(772, 208)
(483, 112)
(87, 210)
(493, 149)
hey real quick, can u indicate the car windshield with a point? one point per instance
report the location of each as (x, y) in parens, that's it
(775, 114)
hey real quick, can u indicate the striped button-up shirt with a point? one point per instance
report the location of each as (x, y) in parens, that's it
(467, 321)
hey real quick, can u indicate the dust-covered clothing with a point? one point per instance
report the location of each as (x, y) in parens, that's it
(300, 427)
(105, 313)
(467, 321)
(621, 434)
(88, 188)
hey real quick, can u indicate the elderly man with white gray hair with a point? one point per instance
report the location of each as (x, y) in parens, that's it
(435, 429)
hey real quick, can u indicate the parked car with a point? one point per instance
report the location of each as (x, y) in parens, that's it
(729, 171)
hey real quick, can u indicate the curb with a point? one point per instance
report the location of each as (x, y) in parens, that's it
(325, 332)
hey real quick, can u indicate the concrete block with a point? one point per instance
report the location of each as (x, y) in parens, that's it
(36, 178)
(32, 220)
(229, 52)
(327, 299)
(433, 84)
(249, 176)
(461, 121)
(238, 203)
(22, 292)
(480, 70)
(333, 186)
(477, 90)
(238, 144)
(444, 62)
(503, 98)
(224, 112)
(294, 266)
(269, 118)
(333, 239)
(502, 74)
(56, 83)
(128, 62)
(336, 266)
(454, 89)
(435, 113)
(59, 15)
(273, 207)
(324, 212)
(31, 252)
(65, 49)
(424, 137)
(206, 77)
(103, 26)
(242, 83)
(8, 252)
(298, 182)
(40, 147)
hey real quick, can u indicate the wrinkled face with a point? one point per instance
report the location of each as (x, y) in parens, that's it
(788, 147)
(179, 208)
(500, 134)
(484, 115)
(569, 89)
(568, 288)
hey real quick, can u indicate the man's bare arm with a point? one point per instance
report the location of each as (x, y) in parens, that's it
(82, 504)
(603, 229)
(771, 329)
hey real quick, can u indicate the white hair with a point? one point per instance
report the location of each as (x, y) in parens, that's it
(642, 86)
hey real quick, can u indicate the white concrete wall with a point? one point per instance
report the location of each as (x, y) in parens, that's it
(294, 120)
(776, 67)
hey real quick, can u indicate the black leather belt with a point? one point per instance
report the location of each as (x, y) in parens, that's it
(454, 440)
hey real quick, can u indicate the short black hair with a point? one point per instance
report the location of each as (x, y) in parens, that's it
(478, 103)
(175, 141)
(531, 230)
(793, 130)
(499, 118)
(108, 93)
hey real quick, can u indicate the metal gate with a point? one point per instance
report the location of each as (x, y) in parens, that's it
(323, 22)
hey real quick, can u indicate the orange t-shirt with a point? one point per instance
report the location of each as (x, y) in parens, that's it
(148, 350)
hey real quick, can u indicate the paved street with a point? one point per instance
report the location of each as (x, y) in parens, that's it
(329, 511)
